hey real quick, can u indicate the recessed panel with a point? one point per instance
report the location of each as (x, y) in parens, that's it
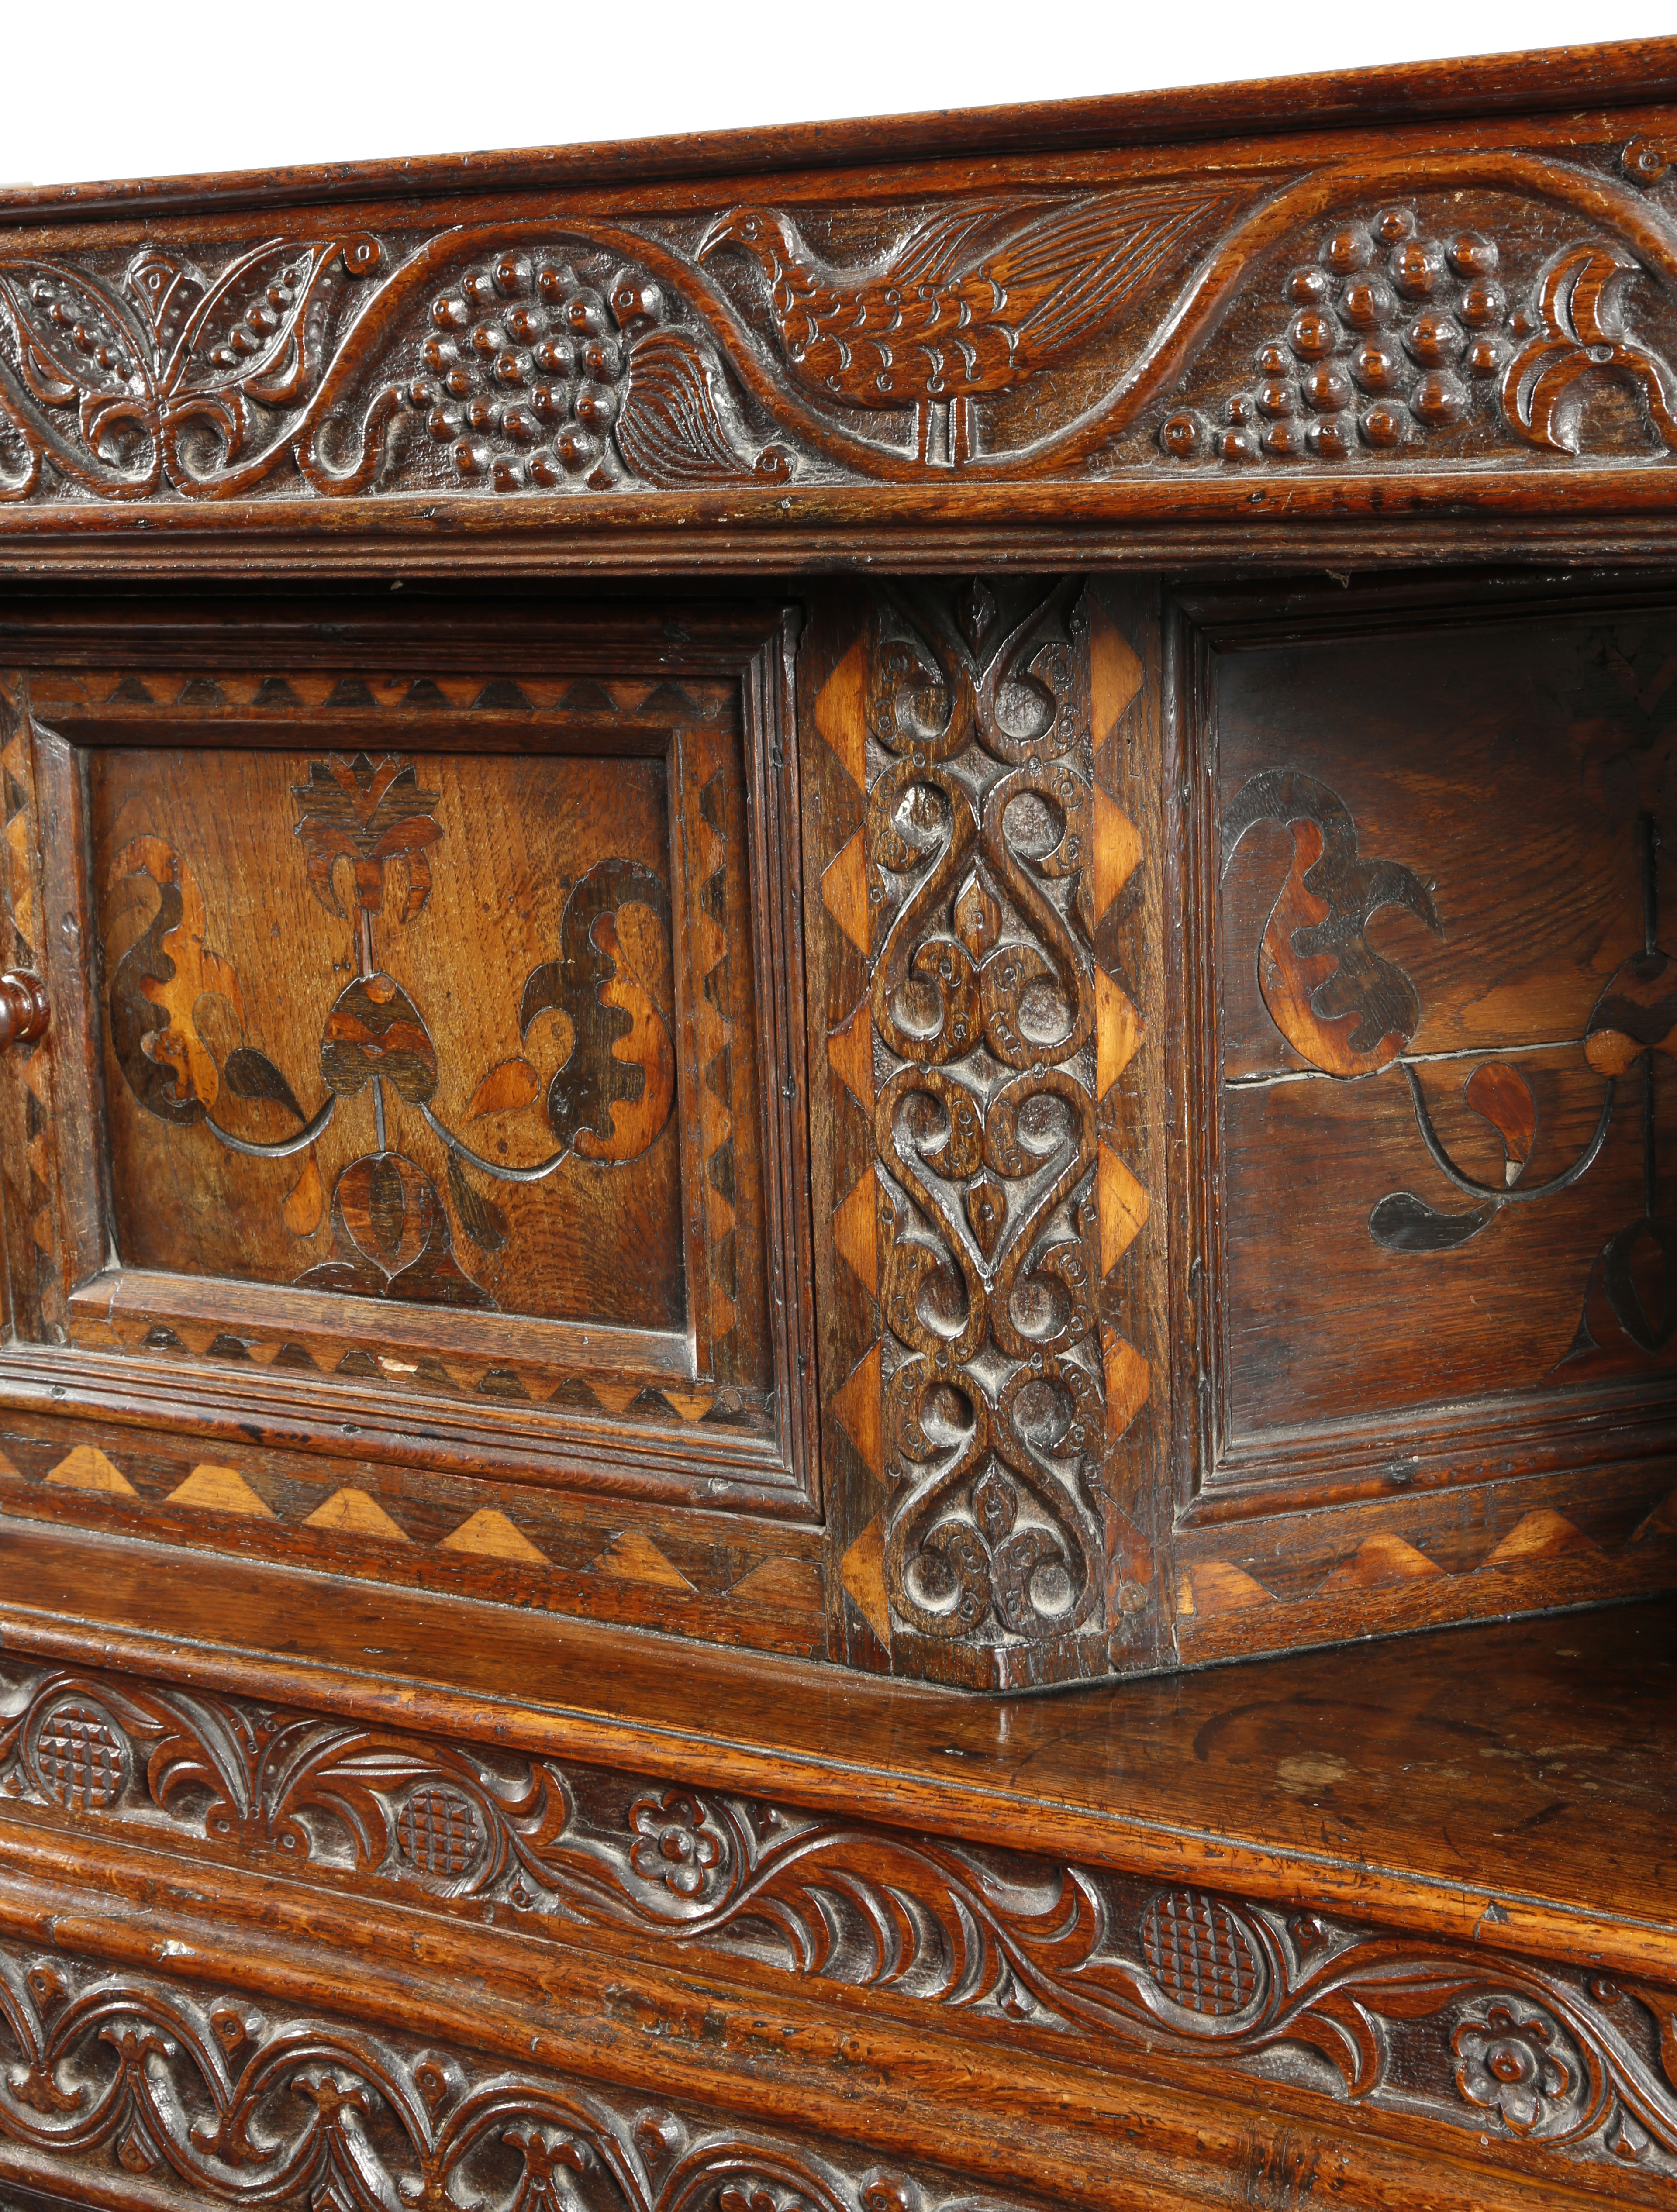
(1448, 1107)
(397, 1027)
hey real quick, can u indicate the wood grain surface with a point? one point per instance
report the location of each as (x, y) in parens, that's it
(1080, 1123)
(1120, 348)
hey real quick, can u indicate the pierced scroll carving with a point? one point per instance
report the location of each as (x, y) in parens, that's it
(1579, 2065)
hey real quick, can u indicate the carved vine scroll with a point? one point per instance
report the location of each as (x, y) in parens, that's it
(192, 2087)
(1578, 2067)
(744, 349)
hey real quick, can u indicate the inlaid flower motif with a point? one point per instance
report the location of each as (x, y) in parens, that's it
(367, 813)
(1513, 2065)
(672, 1845)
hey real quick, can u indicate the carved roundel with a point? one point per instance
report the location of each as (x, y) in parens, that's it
(438, 1834)
(77, 1758)
(1200, 1954)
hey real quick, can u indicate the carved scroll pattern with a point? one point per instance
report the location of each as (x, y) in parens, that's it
(974, 886)
(194, 2085)
(1541, 2054)
(742, 349)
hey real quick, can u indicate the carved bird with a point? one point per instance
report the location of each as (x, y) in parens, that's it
(955, 313)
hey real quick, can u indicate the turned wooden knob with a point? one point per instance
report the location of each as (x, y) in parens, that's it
(24, 1013)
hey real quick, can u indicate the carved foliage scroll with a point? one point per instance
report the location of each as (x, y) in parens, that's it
(1580, 2066)
(197, 2086)
(751, 347)
(974, 887)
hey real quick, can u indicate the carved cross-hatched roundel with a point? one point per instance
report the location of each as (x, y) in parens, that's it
(80, 1760)
(1199, 1954)
(437, 1833)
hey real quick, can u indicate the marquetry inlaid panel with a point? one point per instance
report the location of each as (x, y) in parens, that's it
(333, 979)
(420, 1094)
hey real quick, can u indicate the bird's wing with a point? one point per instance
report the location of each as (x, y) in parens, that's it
(931, 251)
(1065, 273)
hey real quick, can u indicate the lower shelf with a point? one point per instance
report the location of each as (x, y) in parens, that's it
(453, 1907)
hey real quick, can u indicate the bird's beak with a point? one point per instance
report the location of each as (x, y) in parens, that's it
(712, 238)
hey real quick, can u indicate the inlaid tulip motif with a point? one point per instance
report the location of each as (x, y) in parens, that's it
(368, 829)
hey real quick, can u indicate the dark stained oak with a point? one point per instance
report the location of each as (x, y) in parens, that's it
(1339, 319)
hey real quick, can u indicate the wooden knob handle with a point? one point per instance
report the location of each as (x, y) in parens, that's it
(24, 1013)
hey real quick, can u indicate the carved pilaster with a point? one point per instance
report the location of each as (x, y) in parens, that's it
(974, 876)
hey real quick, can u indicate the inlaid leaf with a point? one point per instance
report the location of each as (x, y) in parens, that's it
(1403, 1222)
(614, 1091)
(510, 1085)
(1502, 1096)
(480, 1217)
(158, 987)
(251, 1074)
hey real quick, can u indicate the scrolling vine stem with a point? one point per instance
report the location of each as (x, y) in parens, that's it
(982, 1005)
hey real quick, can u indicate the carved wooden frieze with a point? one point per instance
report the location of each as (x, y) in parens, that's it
(1581, 2067)
(1444, 308)
(200, 2095)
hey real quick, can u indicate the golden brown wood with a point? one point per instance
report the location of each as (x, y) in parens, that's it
(610, 1169)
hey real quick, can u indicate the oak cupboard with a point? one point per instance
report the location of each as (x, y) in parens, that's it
(801, 930)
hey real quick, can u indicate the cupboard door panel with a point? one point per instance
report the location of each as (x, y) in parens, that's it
(1426, 1324)
(451, 960)
(423, 1092)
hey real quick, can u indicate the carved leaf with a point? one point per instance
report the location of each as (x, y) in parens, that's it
(1581, 336)
(245, 320)
(167, 290)
(78, 340)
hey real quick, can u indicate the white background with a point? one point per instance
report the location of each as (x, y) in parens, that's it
(148, 88)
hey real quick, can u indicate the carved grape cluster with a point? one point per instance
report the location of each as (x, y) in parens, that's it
(525, 370)
(1390, 329)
